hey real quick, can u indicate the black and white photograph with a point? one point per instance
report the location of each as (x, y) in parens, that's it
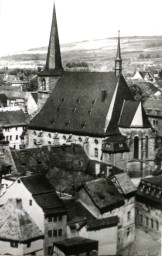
(81, 127)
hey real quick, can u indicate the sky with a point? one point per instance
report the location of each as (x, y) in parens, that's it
(25, 24)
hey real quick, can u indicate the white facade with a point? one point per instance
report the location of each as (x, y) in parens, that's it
(18, 190)
(13, 135)
(6, 247)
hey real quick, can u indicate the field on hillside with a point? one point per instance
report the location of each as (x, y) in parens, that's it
(137, 53)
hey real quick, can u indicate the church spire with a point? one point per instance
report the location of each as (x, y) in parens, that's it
(118, 60)
(54, 55)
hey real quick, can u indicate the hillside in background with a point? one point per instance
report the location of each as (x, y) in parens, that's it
(137, 52)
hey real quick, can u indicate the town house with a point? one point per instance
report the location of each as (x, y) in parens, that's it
(43, 205)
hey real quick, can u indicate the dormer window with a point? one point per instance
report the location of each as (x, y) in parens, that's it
(93, 102)
(90, 111)
(67, 122)
(74, 110)
(83, 124)
(121, 145)
(78, 100)
(62, 100)
(108, 145)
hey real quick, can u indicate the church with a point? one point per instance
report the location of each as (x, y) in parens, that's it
(93, 109)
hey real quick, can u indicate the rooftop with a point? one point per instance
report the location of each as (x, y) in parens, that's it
(104, 194)
(80, 102)
(103, 223)
(76, 245)
(16, 224)
(12, 118)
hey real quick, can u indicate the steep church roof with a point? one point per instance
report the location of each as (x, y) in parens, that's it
(80, 102)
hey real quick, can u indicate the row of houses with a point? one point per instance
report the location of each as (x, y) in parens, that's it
(53, 217)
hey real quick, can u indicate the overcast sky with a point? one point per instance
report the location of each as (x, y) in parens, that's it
(26, 24)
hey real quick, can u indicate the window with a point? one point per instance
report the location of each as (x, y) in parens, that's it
(49, 219)
(55, 218)
(18, 181)
(64, 137)
(60, 217)
(120, 145)
(30, 202)
(147, 221)
(152, 223)
(141, 218)
(43, 84)
(49, 135)
(128, 215)
(96, 141)
(109, 156)
(16, 128)
(122, 156)
(128, 231)
(50, 250)
(60, 232)
(157, 225)
(14, 244)
(55, 233)
(49, 233)
(146, 146)
(17, 137)
(136, 147)
(28, 244)
(6, 138)
(14, 146)
(96, 152)
(11, 137)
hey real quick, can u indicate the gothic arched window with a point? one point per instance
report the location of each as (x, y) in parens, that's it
(147, 147)
(136, 147)
(43, 84)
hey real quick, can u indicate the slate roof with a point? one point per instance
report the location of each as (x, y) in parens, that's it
(76, 245)
(102, 223)
(104, 194)
(128, 113)
(12, 118)
(38, 160)
(37, 184)
(44, 193)
(16, 224)
(76, 106)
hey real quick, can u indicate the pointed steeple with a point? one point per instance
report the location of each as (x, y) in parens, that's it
(54, 55)
(118, 60)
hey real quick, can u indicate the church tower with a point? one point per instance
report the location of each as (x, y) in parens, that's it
(48, 78)
(118, 60)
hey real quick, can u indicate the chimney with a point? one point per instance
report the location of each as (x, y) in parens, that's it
(103, 95)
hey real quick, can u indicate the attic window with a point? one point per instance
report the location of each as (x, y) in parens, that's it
(83, 124)
(58, 109)
(78, 100)
(101, 195)
(67, 122)
(62, 100)
(121, 145)
(93, 102)
(18, 181)
(74, 110)
(90, 111)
